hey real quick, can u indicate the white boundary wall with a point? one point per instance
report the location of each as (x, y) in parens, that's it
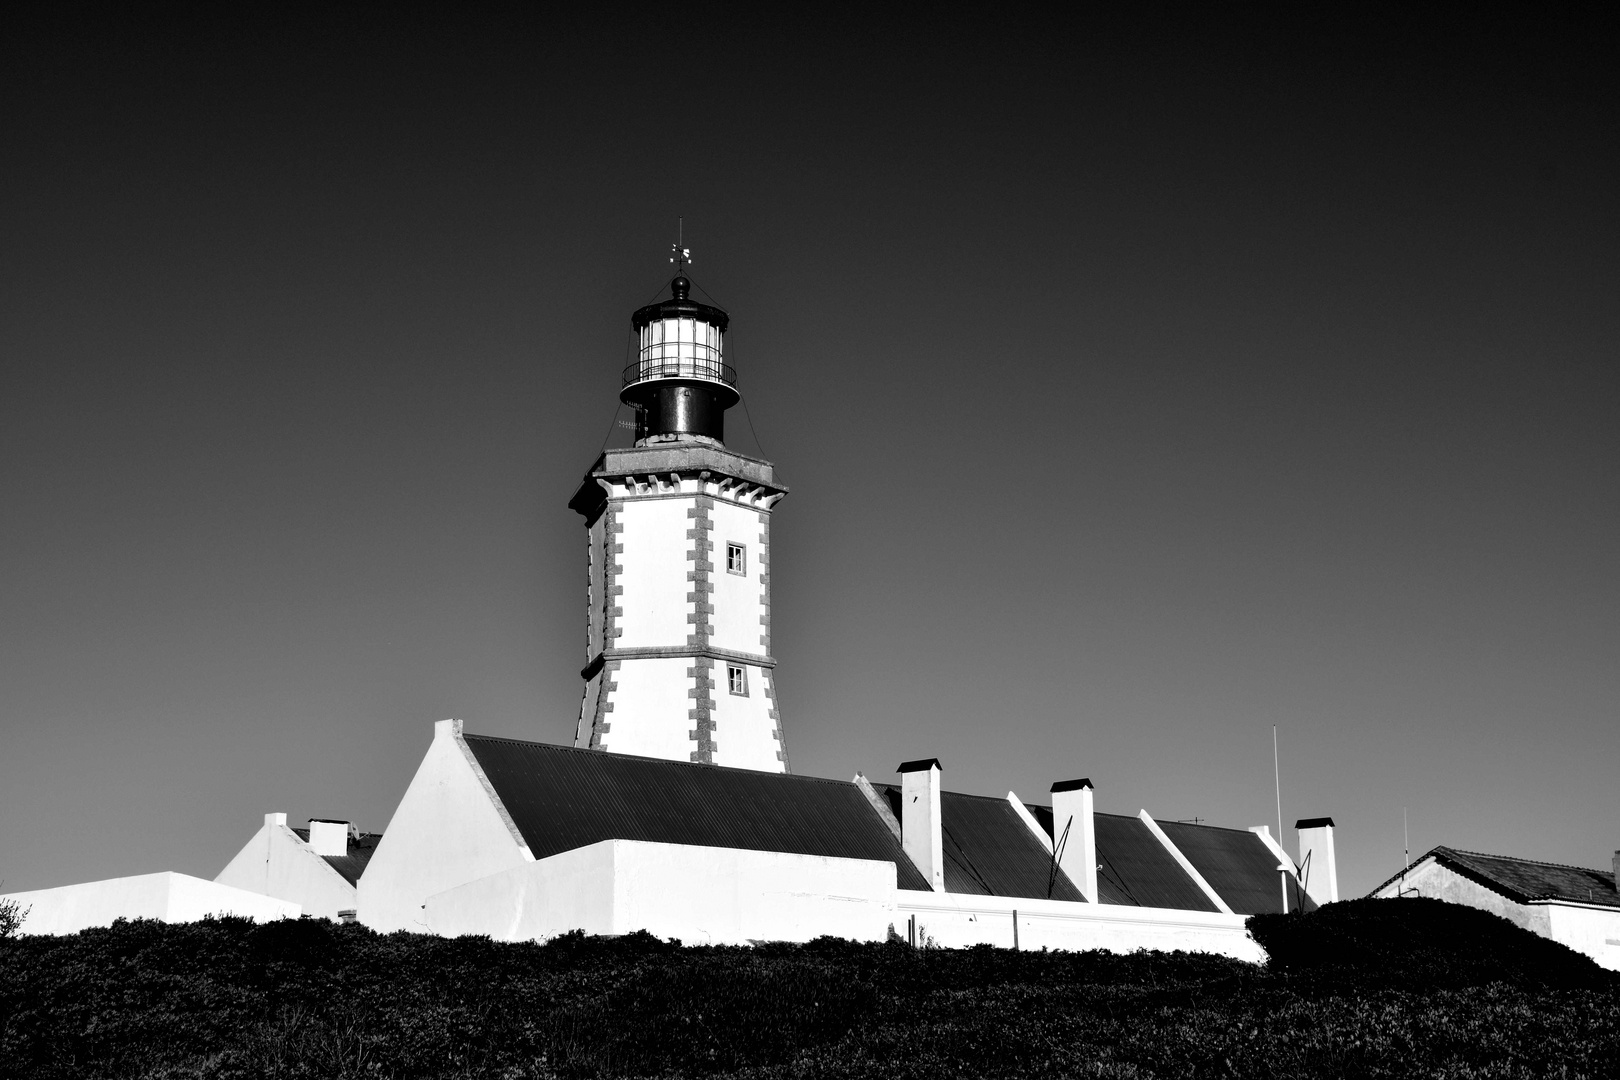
(701, 895)
(166, 896)
(957, 920)
(704, 895)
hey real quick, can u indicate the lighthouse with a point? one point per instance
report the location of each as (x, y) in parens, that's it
(678, 631)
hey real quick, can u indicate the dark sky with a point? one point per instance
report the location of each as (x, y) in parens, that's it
(1140, 385)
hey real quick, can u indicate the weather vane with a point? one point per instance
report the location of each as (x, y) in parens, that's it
(682, 255)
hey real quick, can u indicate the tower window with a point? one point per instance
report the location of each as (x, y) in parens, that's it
(736, 559)
(737, 679)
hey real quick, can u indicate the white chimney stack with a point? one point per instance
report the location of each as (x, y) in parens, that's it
(920, 825)
(1318, 867)
(1077, 855)
(329, 837)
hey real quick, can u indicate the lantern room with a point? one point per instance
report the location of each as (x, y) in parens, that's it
(679, 383)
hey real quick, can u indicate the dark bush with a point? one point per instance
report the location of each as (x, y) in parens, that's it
(1418, 944)
(1362, 989)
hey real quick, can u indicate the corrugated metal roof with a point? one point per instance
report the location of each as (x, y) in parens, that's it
(989, 851)
(1137, 865)
(1109, 891)
(1133, 868)
(1523, 880)
(562, 798)
(1238, 865)
(352, 865)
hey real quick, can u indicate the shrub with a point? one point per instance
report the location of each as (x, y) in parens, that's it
(1352, 990)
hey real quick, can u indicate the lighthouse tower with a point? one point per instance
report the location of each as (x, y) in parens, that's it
(678, 637)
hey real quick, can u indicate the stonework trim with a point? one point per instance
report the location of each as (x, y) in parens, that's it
(701, 556)
(702, 712)
(600, 725)
(653, 497)
(764, 562)
(768, 677)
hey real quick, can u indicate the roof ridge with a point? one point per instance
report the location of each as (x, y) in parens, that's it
(1202, 825)
(1515, 858)
(647, 758)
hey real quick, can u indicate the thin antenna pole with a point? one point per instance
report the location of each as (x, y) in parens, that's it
(1276, 773)
(1406, 861)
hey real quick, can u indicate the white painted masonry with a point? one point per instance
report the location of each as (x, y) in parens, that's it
(665, 615)
(654, 605)
(740, 615)
(1073, 814)
(955, 921)
(1594, 931)
(328, 837)
(275, 862)
(920, 821)
(701, 895)
(450, 828)
(1318, 861)
(167, 896)
(704, 895)
(740, 735)
(646, 694)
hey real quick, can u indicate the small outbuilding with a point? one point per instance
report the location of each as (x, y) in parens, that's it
(1572, 905)
(316, 868)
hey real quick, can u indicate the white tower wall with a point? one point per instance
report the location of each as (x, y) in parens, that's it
(678, 661)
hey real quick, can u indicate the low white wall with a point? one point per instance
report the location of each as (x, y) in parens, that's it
(166, 896)
(701, 895)
(954, 921)
(1590, 930)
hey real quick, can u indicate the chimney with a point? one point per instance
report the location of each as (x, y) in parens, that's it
(329, 837)
(1319, 869)
(1077, 857)
(920, 826)
(1616, 866)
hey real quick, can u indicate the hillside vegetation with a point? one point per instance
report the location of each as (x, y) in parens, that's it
(1358, 989)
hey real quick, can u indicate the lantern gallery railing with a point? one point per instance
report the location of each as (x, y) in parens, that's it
(680, 367)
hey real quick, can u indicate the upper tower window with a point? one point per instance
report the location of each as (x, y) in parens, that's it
(737, 680)
(736, 559)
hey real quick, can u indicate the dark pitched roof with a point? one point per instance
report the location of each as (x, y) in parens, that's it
(562, 798)
(1137, 865)
(352, 865)
(1524, 880)
(1238, 865)
(989, 851)
(1133, 867)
